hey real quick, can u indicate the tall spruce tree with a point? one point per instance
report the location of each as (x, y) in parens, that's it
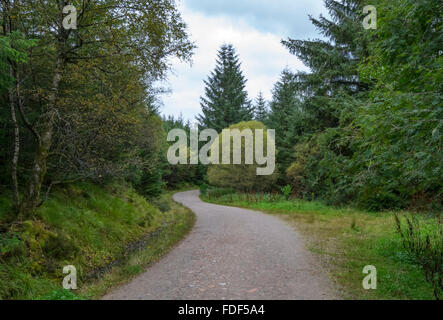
(333, 62)
(284, 107)
(226, 100)
(261, 111)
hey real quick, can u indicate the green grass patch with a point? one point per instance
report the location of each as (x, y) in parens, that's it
(89, 227)
(179, 221)
(346, 240)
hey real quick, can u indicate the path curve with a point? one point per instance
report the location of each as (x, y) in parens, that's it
(232, 253)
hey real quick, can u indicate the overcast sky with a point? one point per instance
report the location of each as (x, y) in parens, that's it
(255, 28)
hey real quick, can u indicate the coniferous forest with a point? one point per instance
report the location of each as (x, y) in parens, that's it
(84, 165)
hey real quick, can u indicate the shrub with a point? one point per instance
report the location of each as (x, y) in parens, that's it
(287, 191)
(241, 177)
(204, 189)
(296, 172)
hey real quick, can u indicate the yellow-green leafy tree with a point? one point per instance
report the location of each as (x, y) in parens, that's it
(242, 177)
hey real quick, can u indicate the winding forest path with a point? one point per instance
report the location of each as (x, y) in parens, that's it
(232, 253)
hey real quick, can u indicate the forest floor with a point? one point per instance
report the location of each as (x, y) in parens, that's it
(233, 253)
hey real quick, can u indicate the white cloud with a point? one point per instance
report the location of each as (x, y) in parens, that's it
(261, 54)
(285, 17)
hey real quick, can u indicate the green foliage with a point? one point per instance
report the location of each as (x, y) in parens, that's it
(243, 176)
(176, 224)
(61, 294)
(162, 203)
(284, 110)
(176, 176)
(297, 172)
(154, 165)
(226, 100)
(401, 126)
(11, 245)
(378, 143)
(82, 225)
(217, 192)
(333, 62)
(424, 242)
(60, 246)
(287, 191)
(204, 189)
(106, 99)
(13, 49)
(261, 112)
(6, 212)
(320, 129)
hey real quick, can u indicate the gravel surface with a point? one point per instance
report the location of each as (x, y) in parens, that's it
(232, 253)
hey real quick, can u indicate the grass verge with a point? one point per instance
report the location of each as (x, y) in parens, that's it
(346, 240)
(91, 228)
(179, 223)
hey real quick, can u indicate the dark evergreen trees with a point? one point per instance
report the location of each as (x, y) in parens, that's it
(329, 95)
(370, 131)
(284, 107)
(261, 111)
(226, 100)
(333, 62)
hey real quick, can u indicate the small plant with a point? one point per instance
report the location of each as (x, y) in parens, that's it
(425, 244)
(274, 197)
(287, 191)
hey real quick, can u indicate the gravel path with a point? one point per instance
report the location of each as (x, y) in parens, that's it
(232, 253)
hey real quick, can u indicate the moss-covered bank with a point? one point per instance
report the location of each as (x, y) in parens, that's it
(108, 233)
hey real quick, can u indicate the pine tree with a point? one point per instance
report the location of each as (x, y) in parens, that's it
(261, 111)
(226, 100)
(333, 62)
(284, 107)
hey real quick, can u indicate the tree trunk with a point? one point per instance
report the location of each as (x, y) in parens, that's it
(16, 147)
(32, 195)
(7, 28)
